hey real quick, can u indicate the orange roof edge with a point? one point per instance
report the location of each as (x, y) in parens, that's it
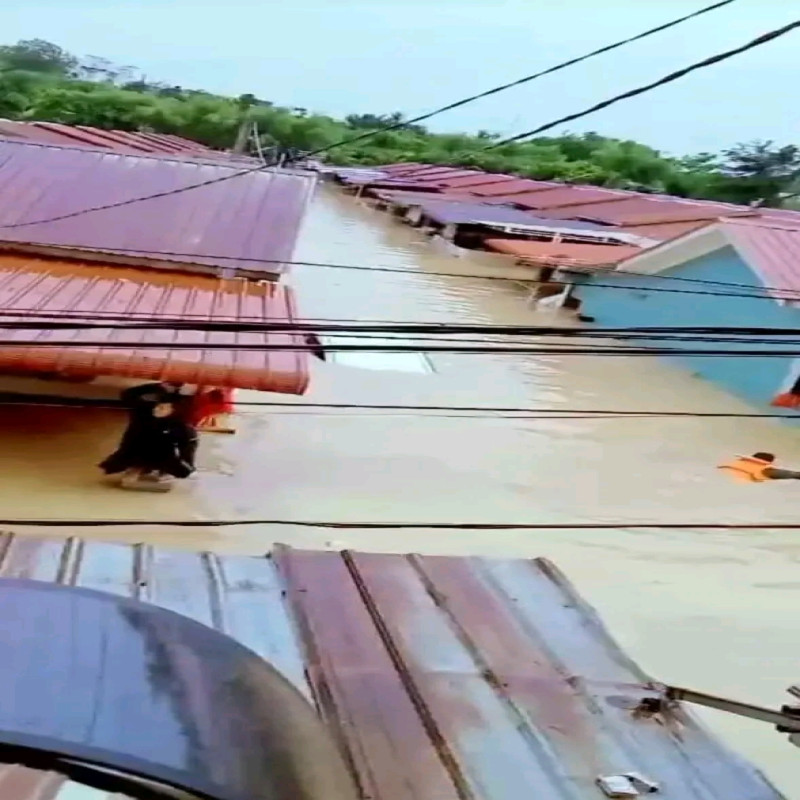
(47, 288)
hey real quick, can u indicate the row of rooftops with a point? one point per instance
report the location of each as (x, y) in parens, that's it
(600, 217)
(133, 230)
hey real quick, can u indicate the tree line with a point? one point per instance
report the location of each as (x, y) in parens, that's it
(41, 81)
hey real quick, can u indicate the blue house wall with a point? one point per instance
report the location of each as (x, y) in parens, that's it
(633, 303)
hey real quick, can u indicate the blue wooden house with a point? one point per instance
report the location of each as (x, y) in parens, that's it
(733, 273)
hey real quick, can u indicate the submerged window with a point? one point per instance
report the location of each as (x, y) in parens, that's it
(387, 361)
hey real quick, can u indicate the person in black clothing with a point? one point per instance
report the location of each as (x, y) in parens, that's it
(158, 440)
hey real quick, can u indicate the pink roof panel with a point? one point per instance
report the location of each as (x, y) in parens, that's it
(247, 223)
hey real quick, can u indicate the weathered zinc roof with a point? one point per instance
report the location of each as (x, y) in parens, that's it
(442, 678)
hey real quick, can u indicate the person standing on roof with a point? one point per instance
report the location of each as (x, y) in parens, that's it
(757, 468)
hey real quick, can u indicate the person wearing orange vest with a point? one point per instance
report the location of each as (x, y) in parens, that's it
(757, 469)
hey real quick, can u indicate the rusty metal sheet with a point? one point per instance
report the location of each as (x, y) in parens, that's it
(34, 288)
(123, 141)
(443, 678)
(357, 686)
(247, 224)
(479, 180)
(686, 758)
(563, 253)
(514, 188)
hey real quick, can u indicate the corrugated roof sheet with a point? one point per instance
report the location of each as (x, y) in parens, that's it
(123, 141)
(442, 677)
(565, 196)
(478, 180)
(563, 254)
(515, 187)
(37, 288)
(772, 250)
(443, 178)
(461, 212)
(664, 232)
(236, 224)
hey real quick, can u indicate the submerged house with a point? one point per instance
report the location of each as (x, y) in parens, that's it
(104, 236)
(736, 273)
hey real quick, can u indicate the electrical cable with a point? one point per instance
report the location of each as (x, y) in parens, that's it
(361, 137)
(673, 76)
(772, 293)
(527, 79)
(595, 351)
(341, 525)
(466, 412)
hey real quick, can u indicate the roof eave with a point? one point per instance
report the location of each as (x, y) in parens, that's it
(143, 260)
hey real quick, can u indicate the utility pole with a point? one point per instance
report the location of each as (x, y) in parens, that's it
(242, 137)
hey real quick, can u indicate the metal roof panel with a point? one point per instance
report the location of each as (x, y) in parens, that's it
(247, 223)
(441, 677)
(38, 288)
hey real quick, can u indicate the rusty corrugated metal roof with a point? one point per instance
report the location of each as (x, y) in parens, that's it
(567, 196)
(479, 180)
(515, 187)
(563, 253)
(441, 677)
(666, 231)
(224, 226)
(42, 288)
(123, 141)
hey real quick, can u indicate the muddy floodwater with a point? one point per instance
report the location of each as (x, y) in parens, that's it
(713, 610)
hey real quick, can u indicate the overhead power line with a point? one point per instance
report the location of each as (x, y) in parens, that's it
(673, 76)
(431, 411)
(519, 82)
(771, 293)
(372, 133)
(344, 525)
(595, 350)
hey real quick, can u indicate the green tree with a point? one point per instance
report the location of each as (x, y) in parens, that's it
(38, 55)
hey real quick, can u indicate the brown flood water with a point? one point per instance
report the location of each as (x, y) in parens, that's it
(712, 610)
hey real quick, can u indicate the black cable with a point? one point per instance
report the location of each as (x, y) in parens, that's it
(467, 412)
(475, 526)
(521, 81)
(360, 137)
(757, 293)
(673, 76)
(595, 351)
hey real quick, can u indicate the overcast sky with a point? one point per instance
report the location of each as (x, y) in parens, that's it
(342, 56)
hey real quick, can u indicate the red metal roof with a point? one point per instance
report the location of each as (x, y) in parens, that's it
(36, 288)
(563, 254)
(515, 186)
(441, 677)
(666, 231)
(222, 226)
(442, 178)
(562, 196)
(771, 249)
(123, 141)
(479, 180)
